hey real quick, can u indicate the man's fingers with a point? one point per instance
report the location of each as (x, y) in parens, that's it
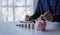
(28, 18)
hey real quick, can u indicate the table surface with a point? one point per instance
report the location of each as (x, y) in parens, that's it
(11, 29)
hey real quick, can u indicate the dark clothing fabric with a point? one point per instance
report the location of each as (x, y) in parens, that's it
(52, 6)
(56, 18)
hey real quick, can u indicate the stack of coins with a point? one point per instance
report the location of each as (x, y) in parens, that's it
(32, 26)
(27, 25)
(22, 25)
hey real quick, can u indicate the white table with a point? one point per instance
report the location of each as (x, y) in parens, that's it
(12, 29)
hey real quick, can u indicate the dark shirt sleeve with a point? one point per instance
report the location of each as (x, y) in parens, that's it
(56, 15)
(55, 6)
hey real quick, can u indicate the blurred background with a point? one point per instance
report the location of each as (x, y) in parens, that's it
(16, 10)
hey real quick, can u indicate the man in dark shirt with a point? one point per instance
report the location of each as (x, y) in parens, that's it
(52, 6)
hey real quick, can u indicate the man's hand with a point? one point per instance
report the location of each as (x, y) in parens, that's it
(47, 16)
(28, 18)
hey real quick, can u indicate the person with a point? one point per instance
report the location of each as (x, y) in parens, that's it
(52, 6)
